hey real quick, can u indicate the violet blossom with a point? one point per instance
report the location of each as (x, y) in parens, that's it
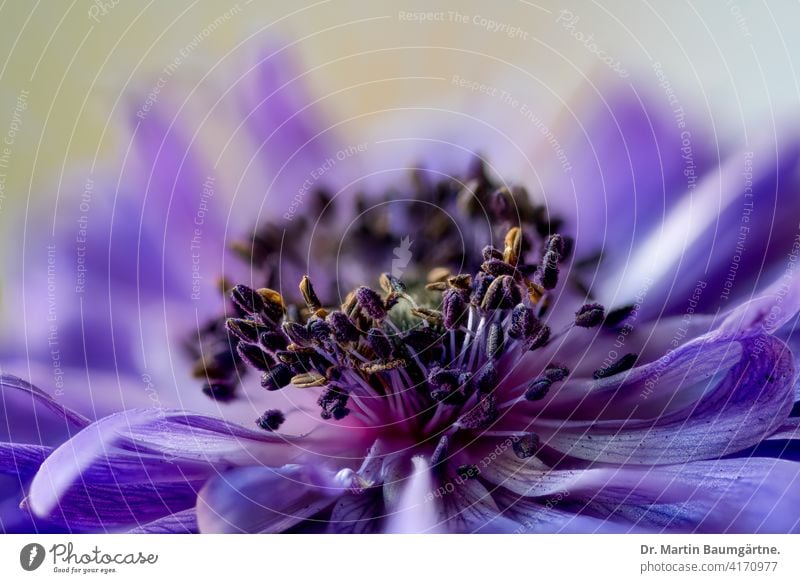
(523, 369)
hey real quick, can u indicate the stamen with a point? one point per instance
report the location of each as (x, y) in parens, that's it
(255, 356)
(219, 390)
(248, 300)
(538, 389)
(370, 302)
(271, 420)
(309, 296)
(309, 379)
(380, 344)
(589, 316)
(333, 402)
(490, 252)
(246, 330)
(454, 307)
(277, 377)
(624, 363)
(502, 294)
(526, 446)
(343, 329)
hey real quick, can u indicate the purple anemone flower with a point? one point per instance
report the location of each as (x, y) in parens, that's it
(434, 351)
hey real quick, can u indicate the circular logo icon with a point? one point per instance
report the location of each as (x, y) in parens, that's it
(31, 556)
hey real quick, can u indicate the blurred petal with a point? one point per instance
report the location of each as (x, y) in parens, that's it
(264, 500)
(744, 402)
(184, 522)
(730, 496)
(142, 464)
(29, 415)
(727, 232)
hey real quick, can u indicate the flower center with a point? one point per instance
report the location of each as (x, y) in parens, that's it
(429, 357)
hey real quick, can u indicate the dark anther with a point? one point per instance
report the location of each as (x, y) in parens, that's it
(542, 338)
(272, 340)
(334, 404)
(497, 267)
(255, 356)
(380, 344)
(485, 380)
(462, 282)
(556, 373)
(548, 270)
(277, 377)
(454, 308)
(248, 300)
(319, 329)
(274, 307)
(490, 252)
(503, 294)
(589, 315)
(624, 363)
(219, 390)
(526, 445)
(480, 285)
(523, 323)
(343, 329)
(271, 420)
(538, 389)
(370, 302)
(448, 385)
(297, 333)
(245, 330)
(555, 244)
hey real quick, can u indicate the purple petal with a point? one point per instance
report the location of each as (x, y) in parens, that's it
(736, 495)
(142, 464)
(359, 513)
(408, 488)
(627, 154)
(718, 234)
(264, 500)
(529, 477)
(468, 507)
(543, 516)
(184, 522)
(789, 430)
(743, 403)
(29, 415)
(771, 310)
(22, 460)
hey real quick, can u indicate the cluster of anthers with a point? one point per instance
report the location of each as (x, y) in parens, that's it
(421, 360)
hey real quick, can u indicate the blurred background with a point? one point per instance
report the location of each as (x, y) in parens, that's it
(731, 64)
(82, 81)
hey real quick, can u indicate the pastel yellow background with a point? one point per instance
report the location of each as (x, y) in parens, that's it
(76, 60)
